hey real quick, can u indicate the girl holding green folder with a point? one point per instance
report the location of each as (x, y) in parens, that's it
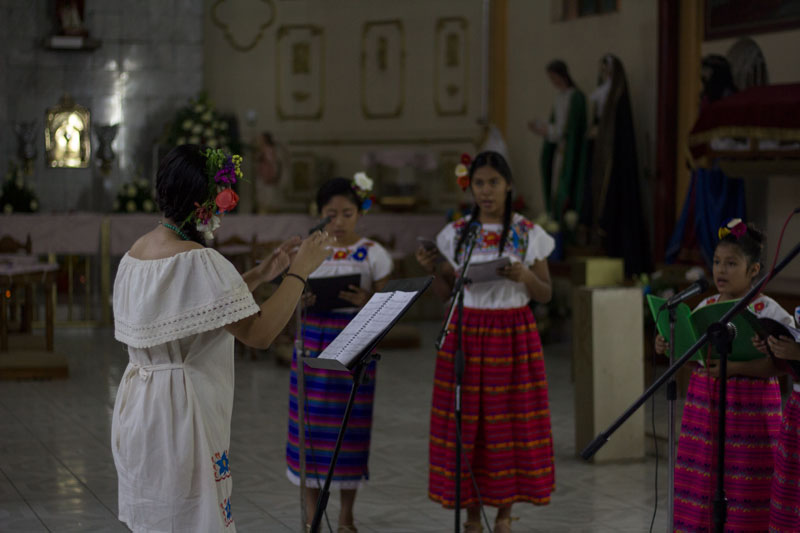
(753, 411)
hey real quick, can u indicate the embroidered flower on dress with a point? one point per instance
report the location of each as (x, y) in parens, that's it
(340, 254)
(759, 306)
(360, 254)
(222, 469)
(225, 506)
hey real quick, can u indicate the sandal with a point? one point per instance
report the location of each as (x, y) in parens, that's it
(473, 527)
(503, 525)
(347, 529)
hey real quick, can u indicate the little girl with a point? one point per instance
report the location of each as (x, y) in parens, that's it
(344, 201)
(507, 439)
(784, 508)
(752, 414)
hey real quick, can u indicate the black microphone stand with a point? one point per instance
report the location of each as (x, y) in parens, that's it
(457, 304)
(714, 333)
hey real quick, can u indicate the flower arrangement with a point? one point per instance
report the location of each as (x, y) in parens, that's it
(135, 197)
(16, 196)
(199, 123)
(223, 171)
(362, 185)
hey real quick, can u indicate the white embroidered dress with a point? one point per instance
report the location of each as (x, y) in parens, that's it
(526, 243)
(171, 424)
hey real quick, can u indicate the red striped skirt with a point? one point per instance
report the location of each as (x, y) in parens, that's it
(752, 422)
(507, 439)
(784, 508)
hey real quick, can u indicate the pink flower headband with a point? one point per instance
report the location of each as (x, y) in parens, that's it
(734, 226)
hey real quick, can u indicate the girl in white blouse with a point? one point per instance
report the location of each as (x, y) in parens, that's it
(506, 434)
(177, 307)
(344, 201)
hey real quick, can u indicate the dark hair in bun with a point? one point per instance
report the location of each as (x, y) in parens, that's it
(751, 243)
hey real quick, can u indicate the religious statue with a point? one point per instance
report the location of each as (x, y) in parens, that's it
(563, 141)
(105, 153)
(26, 143)
(612, 204)
(70, 17)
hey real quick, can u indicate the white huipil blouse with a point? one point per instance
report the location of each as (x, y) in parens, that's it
(366, 257)
(170, 429)
(526, 243)
(763, 306)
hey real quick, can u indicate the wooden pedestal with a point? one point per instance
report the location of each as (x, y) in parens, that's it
(609, 368)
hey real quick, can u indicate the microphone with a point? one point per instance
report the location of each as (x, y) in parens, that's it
(320, 225)
(698, 287)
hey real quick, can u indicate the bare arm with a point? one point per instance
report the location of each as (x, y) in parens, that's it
(444, 275)
(536, 279)
(260, 330)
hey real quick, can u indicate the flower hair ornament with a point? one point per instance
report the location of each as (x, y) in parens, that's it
(462, 172)
(223, 170)
(362, 186)
(734, 226)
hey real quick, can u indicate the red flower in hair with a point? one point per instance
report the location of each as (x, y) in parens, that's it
(466, 159)
(226, 200)
(463, 182)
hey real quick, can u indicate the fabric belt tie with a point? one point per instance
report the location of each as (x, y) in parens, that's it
(145, 371)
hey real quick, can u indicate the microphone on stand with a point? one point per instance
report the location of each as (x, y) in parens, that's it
(320, 225)
(698, 287)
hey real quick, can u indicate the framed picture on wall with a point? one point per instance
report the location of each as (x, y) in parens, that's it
(300, 76)
(731, 18)
(383, 67)
(451, 67)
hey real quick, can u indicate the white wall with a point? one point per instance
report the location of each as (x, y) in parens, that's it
(534, 39)
(245, 82)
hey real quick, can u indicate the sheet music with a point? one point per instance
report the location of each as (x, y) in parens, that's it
(377, 315)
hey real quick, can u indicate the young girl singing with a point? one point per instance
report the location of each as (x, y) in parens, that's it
(344, 201)
(753, 410)
(507, 440)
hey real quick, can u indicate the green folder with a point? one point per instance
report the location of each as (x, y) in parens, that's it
(690, 326)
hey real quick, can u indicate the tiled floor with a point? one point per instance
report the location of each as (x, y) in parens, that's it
(56, 471)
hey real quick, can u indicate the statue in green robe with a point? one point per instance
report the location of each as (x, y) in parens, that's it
(564, 134)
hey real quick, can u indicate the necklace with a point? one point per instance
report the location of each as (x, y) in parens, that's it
(177, 230)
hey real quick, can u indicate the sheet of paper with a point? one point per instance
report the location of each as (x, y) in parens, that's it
(377, 315)
(480, 272)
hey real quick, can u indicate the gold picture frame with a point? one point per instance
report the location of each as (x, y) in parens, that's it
(451, 67)
(67, 135)
(300, 72)
(383, 68)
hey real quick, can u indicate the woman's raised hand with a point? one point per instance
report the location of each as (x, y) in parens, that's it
(661, 345)
(312, 252)
(280, 259)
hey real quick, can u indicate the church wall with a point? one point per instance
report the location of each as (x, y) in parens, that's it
(306, 87)
(150, 61)
(535, 38)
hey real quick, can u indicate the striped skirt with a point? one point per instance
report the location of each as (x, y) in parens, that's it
(507, 439)
(752, 423)
(327, 392)
(784, 508)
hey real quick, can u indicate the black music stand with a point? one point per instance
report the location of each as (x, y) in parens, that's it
(357, 364)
